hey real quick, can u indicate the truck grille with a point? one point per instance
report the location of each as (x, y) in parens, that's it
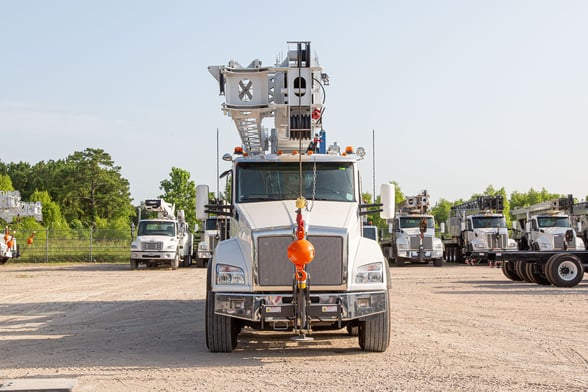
(274, 268)
(151, 245)
(415, 241)
(558, 241)
(212, 241)
(500, 242)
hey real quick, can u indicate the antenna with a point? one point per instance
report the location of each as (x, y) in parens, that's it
(373, 165)
(217, 169)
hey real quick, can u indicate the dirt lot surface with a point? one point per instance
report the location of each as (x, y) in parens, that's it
(455, 328)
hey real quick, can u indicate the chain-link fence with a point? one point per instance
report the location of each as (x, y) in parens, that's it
(76, 245)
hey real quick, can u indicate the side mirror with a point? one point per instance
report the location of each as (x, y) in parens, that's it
(201, 201)
(387, 197)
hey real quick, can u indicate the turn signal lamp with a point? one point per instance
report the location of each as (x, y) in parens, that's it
(349, 150)
(238, 150)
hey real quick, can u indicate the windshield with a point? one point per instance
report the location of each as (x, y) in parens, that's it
(411, 222)
(553, 221)
(263, 181)
(157, 228)
(488, 222)
(210, 224)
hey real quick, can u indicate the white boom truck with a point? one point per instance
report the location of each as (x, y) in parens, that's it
(163, 240)
(546, 226)
(12, 207)
(477, 230)
(413, 233)
(289, 191)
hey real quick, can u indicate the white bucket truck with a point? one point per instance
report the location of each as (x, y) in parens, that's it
(164, 240)
(296, 259)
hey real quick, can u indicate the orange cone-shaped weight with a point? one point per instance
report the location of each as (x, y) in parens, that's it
(301, 252)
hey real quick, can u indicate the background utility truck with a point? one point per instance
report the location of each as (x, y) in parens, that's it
(215, 229)
(296, 259)
(551, 253)
(546, 226)
(477, 230)
(413, 233)
(11, 208)
(162, 240)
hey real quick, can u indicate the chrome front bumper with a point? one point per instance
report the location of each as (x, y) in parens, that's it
(279, 307)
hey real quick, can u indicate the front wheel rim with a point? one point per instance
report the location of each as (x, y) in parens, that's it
(567, 270)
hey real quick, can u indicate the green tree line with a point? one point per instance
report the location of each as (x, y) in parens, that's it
(86, 189)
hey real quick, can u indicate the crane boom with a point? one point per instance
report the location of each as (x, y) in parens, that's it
(292, 92)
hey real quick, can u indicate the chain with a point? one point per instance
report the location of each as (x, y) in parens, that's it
(313, 185)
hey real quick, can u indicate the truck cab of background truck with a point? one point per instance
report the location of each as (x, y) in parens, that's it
(485, 232)
(406, 234)
(160, 242)
(545, 232)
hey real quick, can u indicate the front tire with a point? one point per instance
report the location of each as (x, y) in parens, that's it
(175, 263)
(134, 264)
(438, 262)
(187, 261)
(221, 331)
(564, 270)
(374, 332)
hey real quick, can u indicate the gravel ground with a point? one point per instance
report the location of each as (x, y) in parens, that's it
(455, 328)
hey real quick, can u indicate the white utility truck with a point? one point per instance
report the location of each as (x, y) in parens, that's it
(11, 208)
(413, 233)
(477, 231)
(296, 259)
(546, 226)
(162, 240)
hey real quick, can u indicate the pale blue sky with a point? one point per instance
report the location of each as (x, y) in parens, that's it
(461, 94)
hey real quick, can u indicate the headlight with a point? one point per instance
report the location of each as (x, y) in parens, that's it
(171, 247)
(370, 273)
(202, 245)
(544, 245)
(134, 246)
(438, 246)
(478, 245)
(228, 274)
(401, 245)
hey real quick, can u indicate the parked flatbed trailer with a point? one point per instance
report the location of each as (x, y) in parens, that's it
(559, 268)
